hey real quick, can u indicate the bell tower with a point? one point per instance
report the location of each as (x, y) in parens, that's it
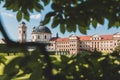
(22, 32)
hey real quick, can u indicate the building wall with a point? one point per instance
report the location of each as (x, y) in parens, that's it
(67, 45)
(41, 37)
(62, 46)
(22, 32)
(102, 43)
(52, 46)
(99, 45)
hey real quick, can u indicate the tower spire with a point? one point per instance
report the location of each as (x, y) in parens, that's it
(57, 35)
(22, 32)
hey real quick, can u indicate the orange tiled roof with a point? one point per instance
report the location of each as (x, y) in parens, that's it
(103, 37)
(106, 37)
(84, 37)
(62, 39)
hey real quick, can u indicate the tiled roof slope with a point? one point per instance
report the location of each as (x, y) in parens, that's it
(106, 37)
(63, 39)
(103, 37)
(84, 37)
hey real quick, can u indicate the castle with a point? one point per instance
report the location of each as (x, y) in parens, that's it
(72, 44)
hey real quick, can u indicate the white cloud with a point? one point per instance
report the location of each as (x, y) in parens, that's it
(36, 16)
(7, 14)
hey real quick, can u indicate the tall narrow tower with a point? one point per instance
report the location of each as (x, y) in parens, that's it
(22, 32)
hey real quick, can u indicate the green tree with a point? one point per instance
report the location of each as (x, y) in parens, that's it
(69, 14)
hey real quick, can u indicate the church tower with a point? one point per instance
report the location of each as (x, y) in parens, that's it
(22, 32)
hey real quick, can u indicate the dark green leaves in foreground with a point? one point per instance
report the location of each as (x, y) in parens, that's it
(23, 7)
(74, 13)
(84, 66)
(2, 59)
(70, 14)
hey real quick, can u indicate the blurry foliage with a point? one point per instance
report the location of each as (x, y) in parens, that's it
(117, 49)
(69, 14)
(84, 66)
(2, 59)
(6, 49)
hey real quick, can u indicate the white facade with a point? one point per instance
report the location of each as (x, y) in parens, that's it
(22, 32)
(41, 37)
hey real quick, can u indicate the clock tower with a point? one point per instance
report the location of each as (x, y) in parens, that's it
(22, 32)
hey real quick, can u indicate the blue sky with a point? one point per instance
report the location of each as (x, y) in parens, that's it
(11, 25)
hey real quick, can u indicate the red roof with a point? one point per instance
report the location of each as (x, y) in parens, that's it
(106, 37)
(84, 37)
(63, 39)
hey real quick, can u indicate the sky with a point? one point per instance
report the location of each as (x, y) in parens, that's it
(11, 25)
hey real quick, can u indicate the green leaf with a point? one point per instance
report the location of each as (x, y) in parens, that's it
(38, 7)
(31, 10)
(11, 69)
(62, 28)
(15, 8)
(19, 16)
(110, 24)
(55, 22)
(10, 7)
(46, 2)
(82, 29)
(100, 20)
(117, 23)
(71, 28)
(94, 23)
(48, 17)
(37, 73)
(64, 58)
(2, 59)
(26, 16)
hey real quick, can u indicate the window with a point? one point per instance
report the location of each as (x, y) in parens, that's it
(115, 44)
(38, 37)
(45, 37)
(23, 31)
